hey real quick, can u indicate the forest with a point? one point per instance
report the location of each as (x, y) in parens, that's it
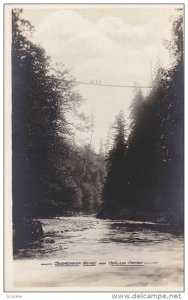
(141, 177)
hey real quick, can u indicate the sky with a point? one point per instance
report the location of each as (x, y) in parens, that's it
(116, 44)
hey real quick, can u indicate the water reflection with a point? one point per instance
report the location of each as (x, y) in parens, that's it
(86, 238)
(138, 232)
(73, 235)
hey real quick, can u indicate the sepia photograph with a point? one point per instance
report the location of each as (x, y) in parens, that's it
(94, 147)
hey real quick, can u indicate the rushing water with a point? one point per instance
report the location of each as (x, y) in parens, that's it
(92, 254)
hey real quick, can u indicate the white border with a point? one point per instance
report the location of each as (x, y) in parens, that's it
(78, 295)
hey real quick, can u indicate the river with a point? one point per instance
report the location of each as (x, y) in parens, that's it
(86, 253)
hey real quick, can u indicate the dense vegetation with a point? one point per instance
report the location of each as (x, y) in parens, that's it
(141, 177)
(50, 175)
(145, 173)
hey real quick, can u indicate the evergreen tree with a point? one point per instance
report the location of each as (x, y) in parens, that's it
(87, 176)
(155, 152)
(172, 140)
(41, 97)
(144, 155)
(152, 181)
(113, 193)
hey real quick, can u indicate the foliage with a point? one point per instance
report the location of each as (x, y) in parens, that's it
(41, 97)
(114, 186)
(149, 174)
(143, 174)
(87, 176)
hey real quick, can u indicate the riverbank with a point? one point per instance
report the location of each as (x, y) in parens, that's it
(92, 244)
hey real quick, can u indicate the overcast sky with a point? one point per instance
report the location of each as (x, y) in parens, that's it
(113, 44)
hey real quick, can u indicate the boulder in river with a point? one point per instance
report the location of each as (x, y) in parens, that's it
(26, 231)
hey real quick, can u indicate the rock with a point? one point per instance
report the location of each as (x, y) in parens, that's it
(49, 240)
(26, 231)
